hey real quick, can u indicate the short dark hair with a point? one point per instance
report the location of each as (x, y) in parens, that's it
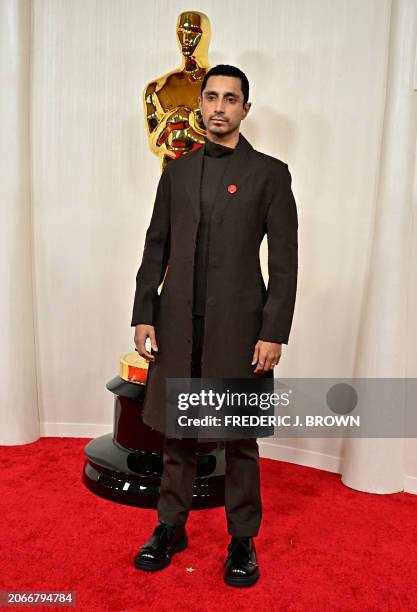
(226, 70)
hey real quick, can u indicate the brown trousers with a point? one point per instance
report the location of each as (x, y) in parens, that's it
(242, 479)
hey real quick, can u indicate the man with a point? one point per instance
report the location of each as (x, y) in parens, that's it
(214, 317)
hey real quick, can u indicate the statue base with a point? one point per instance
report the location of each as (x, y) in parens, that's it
(126, 466)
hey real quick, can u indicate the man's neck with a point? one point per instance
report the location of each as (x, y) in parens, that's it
(230, 140)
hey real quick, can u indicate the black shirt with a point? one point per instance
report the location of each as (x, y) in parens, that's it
(215, 160)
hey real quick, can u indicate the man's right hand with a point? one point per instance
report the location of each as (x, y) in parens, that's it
(142, 333)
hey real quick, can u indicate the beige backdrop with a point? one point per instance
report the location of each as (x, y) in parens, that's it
(333, 96)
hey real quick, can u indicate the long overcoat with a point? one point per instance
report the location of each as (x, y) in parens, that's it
(254, 198)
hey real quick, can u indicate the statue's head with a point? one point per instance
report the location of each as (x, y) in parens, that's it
(193, 32)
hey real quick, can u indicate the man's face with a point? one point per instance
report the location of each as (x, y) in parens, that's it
(221, 105)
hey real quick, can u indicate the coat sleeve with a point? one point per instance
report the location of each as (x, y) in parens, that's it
(155, 256)
(282, 234)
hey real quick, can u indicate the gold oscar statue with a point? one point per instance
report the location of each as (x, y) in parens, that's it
(173, 122)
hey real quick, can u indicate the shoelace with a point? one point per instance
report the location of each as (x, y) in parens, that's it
(236, 543)
(164, 531)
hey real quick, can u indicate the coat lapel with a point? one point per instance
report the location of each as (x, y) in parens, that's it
(236, 171)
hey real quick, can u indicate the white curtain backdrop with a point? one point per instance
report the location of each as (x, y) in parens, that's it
(18, 392)
(333, 86)
(384, 339)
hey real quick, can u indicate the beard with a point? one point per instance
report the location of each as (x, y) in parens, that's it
(220, 129)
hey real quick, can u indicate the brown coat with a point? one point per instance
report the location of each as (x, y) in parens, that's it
(239, 308)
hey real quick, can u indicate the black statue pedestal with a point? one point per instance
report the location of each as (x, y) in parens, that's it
(126, 466)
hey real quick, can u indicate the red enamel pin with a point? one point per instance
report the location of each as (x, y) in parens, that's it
(232, 188)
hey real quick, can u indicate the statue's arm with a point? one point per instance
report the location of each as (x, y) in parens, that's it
(152, 108)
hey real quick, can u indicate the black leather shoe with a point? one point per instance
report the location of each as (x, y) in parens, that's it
(241, 564)
(159, 549)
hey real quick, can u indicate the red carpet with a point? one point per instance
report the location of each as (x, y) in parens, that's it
(321, 547)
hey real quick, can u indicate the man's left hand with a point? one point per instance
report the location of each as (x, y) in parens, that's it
(266, 355)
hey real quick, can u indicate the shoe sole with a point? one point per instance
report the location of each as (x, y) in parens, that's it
(150, 566)
(242, 582)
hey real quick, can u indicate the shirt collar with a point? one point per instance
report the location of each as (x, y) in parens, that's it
(214, 149)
